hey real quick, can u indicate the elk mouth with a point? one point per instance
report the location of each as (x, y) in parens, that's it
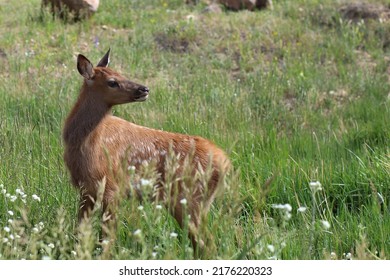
(142, 97)
(142, 93)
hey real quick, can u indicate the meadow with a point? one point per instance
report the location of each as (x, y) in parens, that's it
(297, 95)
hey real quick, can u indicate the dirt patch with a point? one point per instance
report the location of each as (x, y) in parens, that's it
(364, 11)
(328, 101)
(4, 66)
(171, 43)
(3, 55)
(290, 101)
(365, 60)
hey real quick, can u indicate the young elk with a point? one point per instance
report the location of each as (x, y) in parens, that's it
(99, 147)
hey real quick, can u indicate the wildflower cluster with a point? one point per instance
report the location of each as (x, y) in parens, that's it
(8, 233)
(18, 195)
(285, 209)
(272, 247)
(316, 187)
(318, 223)
(38, 227)
(13, 229)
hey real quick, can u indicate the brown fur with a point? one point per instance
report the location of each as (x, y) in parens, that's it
(99, 145)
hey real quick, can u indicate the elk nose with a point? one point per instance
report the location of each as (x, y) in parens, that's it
(143, 90)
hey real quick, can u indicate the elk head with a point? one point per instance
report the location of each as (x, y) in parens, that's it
(108, 85)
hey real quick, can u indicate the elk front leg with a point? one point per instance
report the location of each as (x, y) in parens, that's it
(110, 204)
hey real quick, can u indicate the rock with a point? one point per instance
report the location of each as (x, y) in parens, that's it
(358, 11)
(236, 5)
(245, 4)
(79, 9)
(262, 4)
(213, 8)
(194, 2)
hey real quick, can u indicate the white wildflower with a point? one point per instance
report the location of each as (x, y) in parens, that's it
(7, 229)
(333, 256)
(38, 227)
(11, 236)
(145, 182)
(13, 198)
(3, 191)
(10, 221)
(20, 192)
(348, 256)
(137, 232)
(271, 248)
(158, 206)
(190, 18)
(7, 195)
(315, 186)
(154, 254)
(173, 234)
(98, 250)
(50, 245)
(5, 240)
(131, 167)
(73, 253)
(286, 207)
(11, 213)
(140, 208)
(37, 198)
(1, 186)
(183, 201)
(302, 209)
(106, 242)
(325, 224)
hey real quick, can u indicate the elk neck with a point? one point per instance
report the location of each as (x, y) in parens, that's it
(87, 113)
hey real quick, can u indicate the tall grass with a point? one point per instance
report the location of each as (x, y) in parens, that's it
(295, 95)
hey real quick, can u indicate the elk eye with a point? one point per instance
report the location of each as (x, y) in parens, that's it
(113, 84)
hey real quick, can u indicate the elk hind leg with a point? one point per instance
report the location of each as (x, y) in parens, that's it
(188, 215)
(86, 205)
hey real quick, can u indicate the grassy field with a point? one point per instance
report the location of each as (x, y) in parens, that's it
(295, 95)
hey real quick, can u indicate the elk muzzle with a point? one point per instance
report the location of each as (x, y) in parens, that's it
(141, 93)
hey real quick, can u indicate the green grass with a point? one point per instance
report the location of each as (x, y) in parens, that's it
(294, 95)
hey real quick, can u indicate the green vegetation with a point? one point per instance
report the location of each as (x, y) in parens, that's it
(296, 94)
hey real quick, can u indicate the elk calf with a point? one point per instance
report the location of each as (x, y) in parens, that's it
(100, 146)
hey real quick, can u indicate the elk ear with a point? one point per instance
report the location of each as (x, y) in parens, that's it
(105, 60)
(85, 67)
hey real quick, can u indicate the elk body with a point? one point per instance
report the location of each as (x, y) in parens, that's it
(100, 146)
